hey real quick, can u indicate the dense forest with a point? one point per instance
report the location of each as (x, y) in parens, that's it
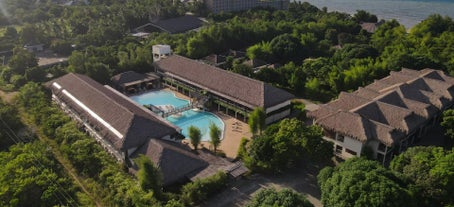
(320, 53)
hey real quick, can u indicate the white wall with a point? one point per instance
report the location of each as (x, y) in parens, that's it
(348, 143)
(276, 107)
(276, 117)
(353, 145)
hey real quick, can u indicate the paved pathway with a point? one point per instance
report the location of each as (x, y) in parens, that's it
(303, 180)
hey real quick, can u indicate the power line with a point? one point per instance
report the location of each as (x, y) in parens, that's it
(16, 139)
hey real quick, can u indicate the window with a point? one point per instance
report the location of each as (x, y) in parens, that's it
(381, 147)
(340, 138)
(350, 151)
(338, 149)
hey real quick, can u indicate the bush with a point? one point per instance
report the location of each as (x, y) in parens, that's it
(283, 198)
(201, 189)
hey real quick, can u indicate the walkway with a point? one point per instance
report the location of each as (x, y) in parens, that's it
(302, 180)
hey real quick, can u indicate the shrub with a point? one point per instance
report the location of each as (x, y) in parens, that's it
(201, 189)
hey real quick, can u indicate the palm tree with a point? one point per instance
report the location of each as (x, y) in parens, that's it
(195, 136)
(215, 135)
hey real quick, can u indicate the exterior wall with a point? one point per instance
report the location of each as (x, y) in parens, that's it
(342, 147)
(276, 107)
(276, 117)
(90, 130)
(161, 51)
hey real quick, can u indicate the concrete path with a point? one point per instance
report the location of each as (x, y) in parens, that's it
(239, 193)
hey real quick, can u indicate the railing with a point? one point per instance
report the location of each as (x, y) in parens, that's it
(178, 110)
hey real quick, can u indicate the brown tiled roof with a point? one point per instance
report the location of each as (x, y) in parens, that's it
(178, 24)
(388, 108)
(133, 125)
(175, 161)
(178, 162)
(131, 77)
(243, 90)
(346, 101)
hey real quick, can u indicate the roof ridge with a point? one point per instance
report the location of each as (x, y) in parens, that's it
(100, 92)
(141, 108)
(225, 71)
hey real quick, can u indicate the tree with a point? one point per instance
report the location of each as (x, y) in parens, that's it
(257, 120)
(9, 120)
(282, 198)
(22, 60)
(283, 145)
(150, 178)
(215, 136)
(364, 16)
(201, 189)
(285, 47)
(361, 182)
(30, 176)
(430, 171)
(195, 136)
(448, 123)
(84, 156)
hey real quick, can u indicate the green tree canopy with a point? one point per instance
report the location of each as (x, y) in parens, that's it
(283, 144)
(150, 178)
(257, 120)
(361, 182)
(282, 198)
(215, 136)
(364, 16)
(195, 136)
(448, 123)
(29, 176)
(430, 171)
(22, 60)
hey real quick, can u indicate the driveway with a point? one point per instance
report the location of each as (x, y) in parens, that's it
(239, 193)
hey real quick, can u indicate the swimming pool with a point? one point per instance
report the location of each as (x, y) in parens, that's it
(200, 119)
(159, 98)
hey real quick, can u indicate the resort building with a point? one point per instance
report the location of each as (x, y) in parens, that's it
(173, 25)
(385, 117)
(217, 6)
(131, 82)
(119, 124)
(127, 130)
(235, 94)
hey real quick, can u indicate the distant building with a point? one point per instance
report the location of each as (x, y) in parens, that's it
(172, 26)
(131, 82)
(161, 51)
(227, 91)
(371, 27)
(34, 47)
(387, 115)
(217, 6)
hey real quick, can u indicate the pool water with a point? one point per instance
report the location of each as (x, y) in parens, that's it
(159, 98)
(200, 119)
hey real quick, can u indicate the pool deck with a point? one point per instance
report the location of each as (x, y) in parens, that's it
(234, 131)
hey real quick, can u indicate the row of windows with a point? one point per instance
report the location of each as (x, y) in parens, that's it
(340, 148)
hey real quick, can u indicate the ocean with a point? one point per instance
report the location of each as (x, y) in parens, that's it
(407, 12)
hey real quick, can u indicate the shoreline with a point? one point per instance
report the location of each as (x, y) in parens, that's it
(407, 13)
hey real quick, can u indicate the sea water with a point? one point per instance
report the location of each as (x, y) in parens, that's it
(407, 12)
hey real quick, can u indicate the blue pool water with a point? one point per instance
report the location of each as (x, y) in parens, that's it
(159, 98)
(200, 119)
